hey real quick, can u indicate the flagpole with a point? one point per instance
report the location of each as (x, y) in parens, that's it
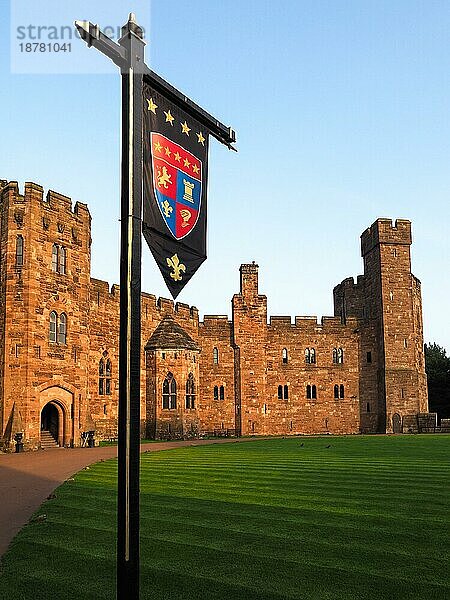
(128, 55)
(130, 315)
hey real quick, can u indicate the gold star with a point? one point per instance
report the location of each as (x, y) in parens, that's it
(201, 139)
(152, 106)
(177, 157)
(169, 118)
(184, 128)
(186, 162)
(167, 150)
(158, 147)
(195, 169)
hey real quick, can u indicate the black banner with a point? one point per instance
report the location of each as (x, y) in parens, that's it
(175, 185)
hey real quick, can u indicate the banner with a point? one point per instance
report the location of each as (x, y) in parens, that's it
(175, 183)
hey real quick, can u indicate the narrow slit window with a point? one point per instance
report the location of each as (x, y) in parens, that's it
(284, 355)
(286, 392)
(19, 251)
(216, 392)
(280, 392)
(222, 392)
(101, 377)
(108, 371)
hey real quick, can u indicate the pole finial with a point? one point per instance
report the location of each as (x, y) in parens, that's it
(131, 25)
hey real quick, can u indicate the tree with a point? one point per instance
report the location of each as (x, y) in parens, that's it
(437, 366)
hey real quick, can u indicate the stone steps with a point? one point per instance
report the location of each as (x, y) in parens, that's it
(47, 440)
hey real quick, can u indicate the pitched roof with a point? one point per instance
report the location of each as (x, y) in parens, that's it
(169, 335)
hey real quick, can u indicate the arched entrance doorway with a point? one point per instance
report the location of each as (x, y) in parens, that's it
(51, 422)
(396, 423)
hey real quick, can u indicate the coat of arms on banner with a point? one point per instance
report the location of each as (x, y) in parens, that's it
(177, 183)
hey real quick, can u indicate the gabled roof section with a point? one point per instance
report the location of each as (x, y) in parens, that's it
(169, 335)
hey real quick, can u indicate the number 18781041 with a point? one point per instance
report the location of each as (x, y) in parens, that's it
(45, 47)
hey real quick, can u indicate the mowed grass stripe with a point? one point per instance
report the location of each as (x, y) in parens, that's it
(366, 518)
(274, 526)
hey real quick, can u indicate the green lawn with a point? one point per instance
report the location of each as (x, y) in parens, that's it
(365, 518)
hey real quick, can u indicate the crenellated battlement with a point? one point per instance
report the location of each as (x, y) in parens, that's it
(382, 231)
(309, 323)
(349, 284)
(102, 290)
(33, 195)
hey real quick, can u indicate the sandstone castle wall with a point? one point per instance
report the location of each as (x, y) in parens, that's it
(251, 373)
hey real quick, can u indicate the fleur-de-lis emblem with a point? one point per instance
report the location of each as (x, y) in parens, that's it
(166, 208)
(177, 267)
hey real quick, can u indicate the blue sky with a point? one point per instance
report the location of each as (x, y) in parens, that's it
(341, 110)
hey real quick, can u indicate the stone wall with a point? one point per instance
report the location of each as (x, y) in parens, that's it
(240, 363)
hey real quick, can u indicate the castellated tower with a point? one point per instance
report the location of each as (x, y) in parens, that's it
(387, 300)
(249, 342)
(44, 278)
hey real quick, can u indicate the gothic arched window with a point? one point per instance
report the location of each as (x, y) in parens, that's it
(62, 328)
(280, 392)
(336, 392)
(341, 391)
(62, 260)
(190, 391)
(284, 355)
(313, 356)
(169, 395)
(53, 321)
(108, 370)
(307, 356)
(340, 356)
(104, 375)
(222, 392)
(216, 392)
(216, 356)
(55, 258)
(101, 377)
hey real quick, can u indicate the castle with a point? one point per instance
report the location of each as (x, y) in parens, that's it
(360, 371)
